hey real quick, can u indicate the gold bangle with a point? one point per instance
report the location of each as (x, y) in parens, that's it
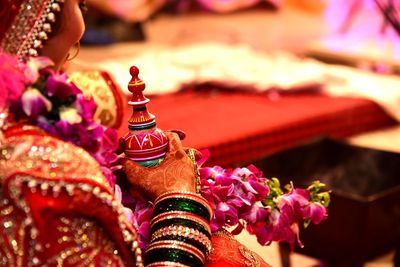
(173, 244)
(174, 230)
(182, 215)
(199, 223)
(191, 154)
(188, 195)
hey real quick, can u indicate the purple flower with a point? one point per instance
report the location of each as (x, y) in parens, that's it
(292, 204)
(241, 197)
(316, 212)
(255, 214)
(231, 193)
(128, 212)
(34, 66)
(143, 213)
(35, 104)
(224, 214)
(86, 107)
(108, 144)
(58, 87)
(67, 130)
(207, 173)
(45, 125)
(223, 203)
(110, 176)
(139, 214)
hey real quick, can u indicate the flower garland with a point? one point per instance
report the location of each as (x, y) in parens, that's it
(36, 94)
(241, 197)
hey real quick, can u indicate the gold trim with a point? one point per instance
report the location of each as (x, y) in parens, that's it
(92, 84)
(30, 27)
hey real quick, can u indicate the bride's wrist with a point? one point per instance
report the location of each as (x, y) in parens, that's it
(180, 230)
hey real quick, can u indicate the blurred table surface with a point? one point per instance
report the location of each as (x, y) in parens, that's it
(289, 29)
(240, 127)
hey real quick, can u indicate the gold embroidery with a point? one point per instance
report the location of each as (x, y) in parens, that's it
(48, 157)
(7, 232)
(93, 84)
(13, 229)
(57, 164)
(225, 235)
(85, 241)
(250, 256)
(26, 226)
(232, 251)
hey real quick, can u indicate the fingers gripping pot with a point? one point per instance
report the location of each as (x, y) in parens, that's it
(144, 143)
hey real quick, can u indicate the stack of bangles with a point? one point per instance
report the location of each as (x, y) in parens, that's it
(180, 231)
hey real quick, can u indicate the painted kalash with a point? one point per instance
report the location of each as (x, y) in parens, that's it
(144, 143)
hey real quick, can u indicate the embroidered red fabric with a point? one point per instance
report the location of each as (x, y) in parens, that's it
(55, 211)
(228, 252)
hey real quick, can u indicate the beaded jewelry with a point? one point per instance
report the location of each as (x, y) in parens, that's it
(180, 230)
(35, 18)
(179, 219)
(185, 234)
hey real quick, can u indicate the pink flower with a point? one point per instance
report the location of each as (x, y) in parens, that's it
(12, 79)
(57, 87)
(128, 212)
(142, 215)
(232, 193)
(35, 104)
(316, 212)
(293, 203)
(86, 107)
(34, 66)
(256, 213)
(241, 197)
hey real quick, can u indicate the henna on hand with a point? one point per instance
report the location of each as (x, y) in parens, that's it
(174, 173)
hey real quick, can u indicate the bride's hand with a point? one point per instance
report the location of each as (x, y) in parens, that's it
(175, 173)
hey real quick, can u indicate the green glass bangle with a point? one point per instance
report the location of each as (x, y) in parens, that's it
(182, 204)
(187, 240)
(174, 255)
(179, 221)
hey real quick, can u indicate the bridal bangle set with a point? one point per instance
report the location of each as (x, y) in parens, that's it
(180, 231)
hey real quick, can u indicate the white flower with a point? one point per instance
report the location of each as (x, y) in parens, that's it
(34, 103)
(70, 115)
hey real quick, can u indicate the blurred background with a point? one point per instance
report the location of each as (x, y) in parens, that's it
(252, 79)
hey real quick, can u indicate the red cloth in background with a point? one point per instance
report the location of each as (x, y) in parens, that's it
(240, 127)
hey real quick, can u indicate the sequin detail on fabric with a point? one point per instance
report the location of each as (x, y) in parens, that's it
(227, 249)
(84, 240)
(48, 157)
(31, 27)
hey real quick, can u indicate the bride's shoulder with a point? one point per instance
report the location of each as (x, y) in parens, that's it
(46, 179)
(29, 151)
